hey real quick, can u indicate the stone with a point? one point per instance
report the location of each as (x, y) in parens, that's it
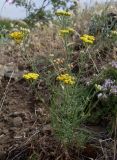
(2, 155)
(5, 131)
(8, 70)
(10, 67)
(17, 137)
(47, 128)
(15, 76)
(17, 114)
(17, 122)
(1, 70)
(4, 139)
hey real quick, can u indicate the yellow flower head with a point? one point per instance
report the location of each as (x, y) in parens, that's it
(71, 30)
(63, 13)
(17, 36)
(64, 32)
(59, 61)
(98, 87)
(87, 39)
(114, 33)
(32, 76)
(66, 79)
(25, 30)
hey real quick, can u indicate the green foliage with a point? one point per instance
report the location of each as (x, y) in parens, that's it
(103, 104)
(55, 3)
(102, 24)
(10, 24)
(67, 113)
(34, 156)
(35, 14)
(68, 101)
(7, 26)
(111, 72)
(28, 5)
(38, 15)
(58, 4)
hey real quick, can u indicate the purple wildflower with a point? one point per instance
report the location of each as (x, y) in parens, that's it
(10, 1)
(114, 64)
(113, 90)
(107, 84)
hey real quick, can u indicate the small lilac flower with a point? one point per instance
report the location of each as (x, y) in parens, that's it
(113, 90)
(107, 84)
(10, 1)
(99, 95)
(114, 64)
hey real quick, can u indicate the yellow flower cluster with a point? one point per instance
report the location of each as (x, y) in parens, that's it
(32, 76)
(17, 36)
(66, 31)
(87, 38)
(25, 30)
(63, 13)
(70, 65)
(114, 33)
(71, 30)
(66, 78)
(59, 61)
(98, 87)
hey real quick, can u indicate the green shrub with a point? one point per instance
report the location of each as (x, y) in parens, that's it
(103, 105)
(67, 113)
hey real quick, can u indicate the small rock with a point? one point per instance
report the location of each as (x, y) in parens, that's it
(4, 139)
(6, 119)
(2, 155)
(1, 70)
(12, 130)
(10, 67)
(15, 76)
(5, 131)
(14, 114)
(17, 114)
(18, 137)
(9, 70)
(1, 136)
(17, 122)
(47, 128)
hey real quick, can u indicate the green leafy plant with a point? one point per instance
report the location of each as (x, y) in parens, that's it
(67, 113)
(102, 106)
(69, 97)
